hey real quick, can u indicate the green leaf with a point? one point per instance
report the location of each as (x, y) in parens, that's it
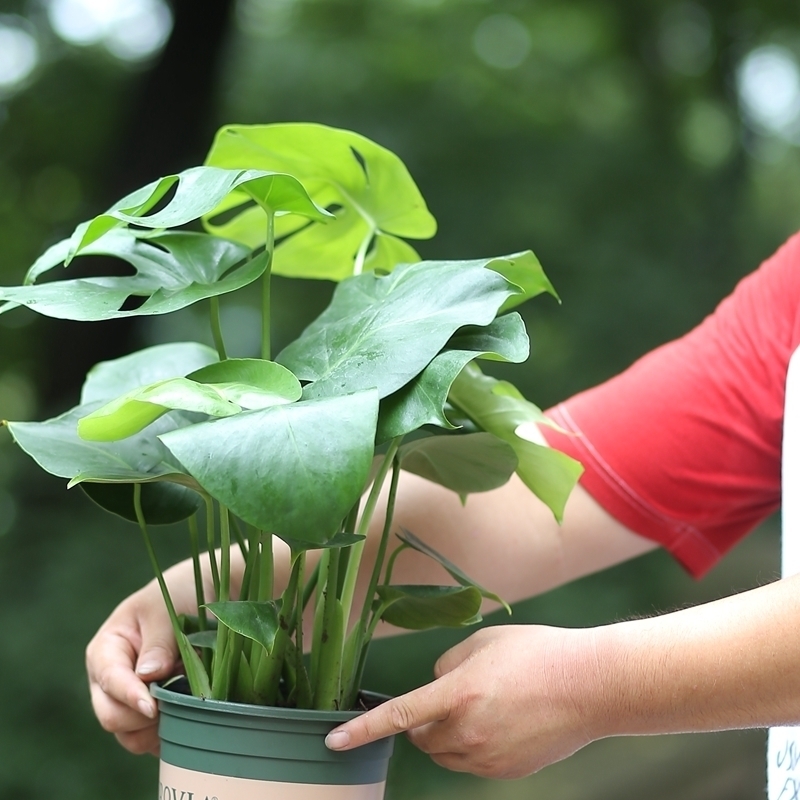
(381, 331)
(163, 502)
(420, 607)
(370, 187)
(250, 382)
(472, 462)
(460, 576)
(295, 470)
(57, 448)
(423, 400)
(524, 270)
(257, 620)
(204, 639)
(109, 379)
(499, 408)
(198, 190)
(195, 670)
(340, 539)
(173, 270)
(135, 410)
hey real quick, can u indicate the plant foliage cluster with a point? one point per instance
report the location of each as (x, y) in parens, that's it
(385, 379)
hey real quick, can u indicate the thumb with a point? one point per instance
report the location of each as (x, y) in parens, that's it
(454, 657)
(158, 653)
(430, 703)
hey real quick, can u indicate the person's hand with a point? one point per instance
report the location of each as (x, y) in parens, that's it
(506, 702)
(134, 646)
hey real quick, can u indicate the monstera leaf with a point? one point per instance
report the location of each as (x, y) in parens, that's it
(173, 270)
(374, 197)
(381, 331)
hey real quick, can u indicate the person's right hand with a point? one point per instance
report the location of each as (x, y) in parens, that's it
(133, 647)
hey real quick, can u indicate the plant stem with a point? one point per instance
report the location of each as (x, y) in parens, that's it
(266, 310)
(359, 638)
(327, 686)
(225, 652)
(361, 255)
(357, 549)
(202, 619)
(212, 545)
(216, 329)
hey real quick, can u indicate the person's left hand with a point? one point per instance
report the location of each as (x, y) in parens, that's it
(506, 702)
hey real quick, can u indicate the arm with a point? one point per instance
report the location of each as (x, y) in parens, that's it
(513, 699)
(493, 531)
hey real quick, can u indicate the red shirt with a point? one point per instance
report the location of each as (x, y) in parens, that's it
(684, 447)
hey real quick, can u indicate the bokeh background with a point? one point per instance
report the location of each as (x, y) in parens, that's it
(647, 151)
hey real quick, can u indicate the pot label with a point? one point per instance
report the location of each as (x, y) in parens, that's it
(176, 783)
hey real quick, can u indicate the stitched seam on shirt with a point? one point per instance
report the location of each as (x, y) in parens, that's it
(608, 474)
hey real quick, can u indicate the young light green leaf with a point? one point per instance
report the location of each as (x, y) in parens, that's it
(497, 407)
(464, 463)
(110, 379)
(257, 620)
(422, 401)
(420, 607)
(135, 410)
(381, 331)
(250, 382)
(204, 639)
(195, 670)
(460, 576)
(295, 470)
(370, 187)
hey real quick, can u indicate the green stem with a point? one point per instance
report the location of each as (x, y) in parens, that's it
(266, 280)
(202, 619)
(225, 652)
(361, 255)
(387, 579)
(211, 542)
(359, 638)
(327, 687)
(216, 329)
(357, 549)
(225, 554)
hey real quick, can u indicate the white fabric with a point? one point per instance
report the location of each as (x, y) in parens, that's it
(783, 752)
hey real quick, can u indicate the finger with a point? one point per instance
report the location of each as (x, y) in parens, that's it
(427, 704)
(159, 651)
(116, 717)
(141, 742)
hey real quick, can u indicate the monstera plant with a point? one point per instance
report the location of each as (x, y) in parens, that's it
(297, 444)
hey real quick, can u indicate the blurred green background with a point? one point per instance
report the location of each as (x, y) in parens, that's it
(647, 151)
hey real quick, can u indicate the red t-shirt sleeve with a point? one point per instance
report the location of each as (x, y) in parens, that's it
(684, 447)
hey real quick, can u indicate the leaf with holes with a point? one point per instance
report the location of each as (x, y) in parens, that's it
(375, 198)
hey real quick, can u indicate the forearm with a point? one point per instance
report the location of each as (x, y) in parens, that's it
(728, 664)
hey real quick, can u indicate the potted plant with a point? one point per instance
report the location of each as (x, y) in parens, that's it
(297, 445)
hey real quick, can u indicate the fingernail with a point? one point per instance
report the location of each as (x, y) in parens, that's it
(147, 708)
(337, 740)
(148, 667)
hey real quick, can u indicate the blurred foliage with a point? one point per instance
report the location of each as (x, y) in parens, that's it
(612, 137)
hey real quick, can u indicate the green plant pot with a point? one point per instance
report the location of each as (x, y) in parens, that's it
(213, 750)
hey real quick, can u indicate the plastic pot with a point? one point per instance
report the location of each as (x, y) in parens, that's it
(214, 750)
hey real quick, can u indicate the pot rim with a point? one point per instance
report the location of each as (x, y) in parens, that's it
(162, 693)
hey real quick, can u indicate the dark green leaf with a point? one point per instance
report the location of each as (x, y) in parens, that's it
(295, 470)
(163, 502)
(460, 576)
(497, 407)
(255, 620)
(472, 462)
(205, 639)
(373, 191)
(381, 331)
(340, 539)
(420, 607)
